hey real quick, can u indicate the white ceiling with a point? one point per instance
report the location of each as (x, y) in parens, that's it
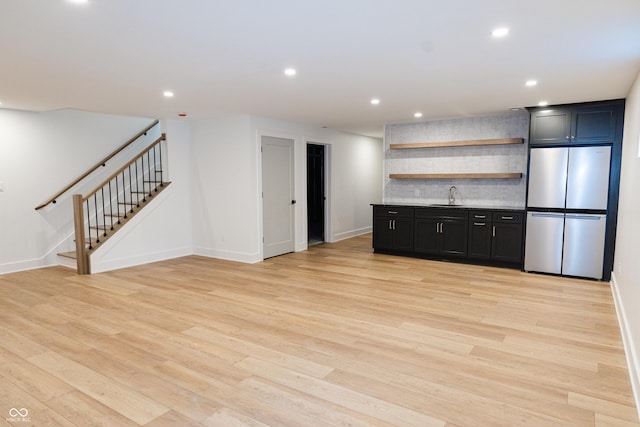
(228, 57)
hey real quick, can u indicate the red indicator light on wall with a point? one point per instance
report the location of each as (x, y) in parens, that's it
(182, 114)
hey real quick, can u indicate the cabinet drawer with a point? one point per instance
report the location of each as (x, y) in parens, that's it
(390, 211)
(508, 217)
(442, 214)
(480, 216)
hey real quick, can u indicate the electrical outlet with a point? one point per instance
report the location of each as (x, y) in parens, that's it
(416, 192)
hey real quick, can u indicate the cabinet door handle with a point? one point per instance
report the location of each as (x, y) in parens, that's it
(480, 223)
(480, 216)
(441, 227)
(394, 224)
(393, 212)
(390, 228)
(507, 217)
(494, 231)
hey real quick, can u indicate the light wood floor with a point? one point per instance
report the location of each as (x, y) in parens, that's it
(335, 335)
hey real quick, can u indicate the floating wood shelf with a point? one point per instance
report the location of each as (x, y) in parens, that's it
(516, 175)
(502, 141)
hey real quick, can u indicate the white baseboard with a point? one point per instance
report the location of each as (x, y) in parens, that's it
(118, 263)
(351, 233)
(48, 260)
(228, 255)
(633, 362)
(14, 267)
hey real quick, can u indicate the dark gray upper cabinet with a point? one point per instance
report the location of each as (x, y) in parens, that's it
(579, 124)
(550, 126)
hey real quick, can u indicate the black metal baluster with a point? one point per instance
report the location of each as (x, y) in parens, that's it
(144, 192)
(95, 206)
(89, 225)
(149, 162)
(117, 200)
(124, 197)
(111, 204)
(104, 215)
(161, 166)
(130, 190)
(135, 166)
(155, 169)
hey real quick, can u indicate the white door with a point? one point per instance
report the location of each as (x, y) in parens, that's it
(278, 201)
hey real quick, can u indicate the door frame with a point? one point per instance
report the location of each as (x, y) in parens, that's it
(328, 232)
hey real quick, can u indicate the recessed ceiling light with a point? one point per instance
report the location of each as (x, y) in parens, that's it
(375, 101)
(78, 1)
(290, 72)
(168, 94)
(500, 32)
(417, 115)
(515, 108)
(531, 83)
(543, 103)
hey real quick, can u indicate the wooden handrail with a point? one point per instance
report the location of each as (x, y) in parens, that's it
(97, 165)
(163, 137)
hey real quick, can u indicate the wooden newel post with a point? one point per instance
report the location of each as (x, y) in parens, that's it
(82, 258)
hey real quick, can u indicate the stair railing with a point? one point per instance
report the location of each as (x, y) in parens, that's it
(97, 166)
(112, 203)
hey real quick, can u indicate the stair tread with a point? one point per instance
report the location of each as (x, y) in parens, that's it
(71, 255)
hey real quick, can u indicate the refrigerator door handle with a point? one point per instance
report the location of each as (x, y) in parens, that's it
(547, 215)
(590, 217)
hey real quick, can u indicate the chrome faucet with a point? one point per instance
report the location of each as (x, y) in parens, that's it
(452, 195)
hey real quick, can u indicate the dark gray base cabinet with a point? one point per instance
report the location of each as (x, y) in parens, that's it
(393, 229)
(440, 232)
(480, 234)
(492, 237)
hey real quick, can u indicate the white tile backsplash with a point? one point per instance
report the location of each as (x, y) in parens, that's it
(471, 159)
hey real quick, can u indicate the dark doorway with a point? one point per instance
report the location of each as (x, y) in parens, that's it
(315, 193)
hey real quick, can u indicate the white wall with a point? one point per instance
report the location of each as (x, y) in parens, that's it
(40, 153)
(227, 183)
(224, 189)
(626, 275)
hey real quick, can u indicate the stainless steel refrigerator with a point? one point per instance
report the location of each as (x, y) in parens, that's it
(567, 210)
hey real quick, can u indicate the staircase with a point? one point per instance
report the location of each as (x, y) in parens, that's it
(108, 208)
(100, 213)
